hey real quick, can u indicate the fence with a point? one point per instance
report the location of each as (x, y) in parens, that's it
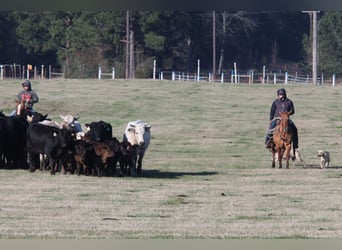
(101, 74)
(17, 71)
(249, 77)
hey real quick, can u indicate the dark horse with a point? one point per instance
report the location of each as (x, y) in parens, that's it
(282, 140)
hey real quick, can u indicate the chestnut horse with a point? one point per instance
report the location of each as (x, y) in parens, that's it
(282, 140)
(20, 108)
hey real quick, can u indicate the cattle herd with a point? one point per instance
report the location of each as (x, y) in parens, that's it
(36, 142)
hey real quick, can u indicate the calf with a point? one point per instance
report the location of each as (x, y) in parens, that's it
(105, 152)
(56, 143)
(127, 158)
(84, 157)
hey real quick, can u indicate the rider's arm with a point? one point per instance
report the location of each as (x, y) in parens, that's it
(272, 111)
(291, 108)
(34, 97)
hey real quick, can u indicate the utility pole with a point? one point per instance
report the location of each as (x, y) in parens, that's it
(127, 45)
(131, 55)
(314, 47)
(313, 24)
(214, 45)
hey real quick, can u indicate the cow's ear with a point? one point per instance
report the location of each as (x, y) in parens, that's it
(132, 125)
(148, 126)
(76, 117)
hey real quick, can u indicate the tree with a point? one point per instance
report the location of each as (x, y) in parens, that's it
(330, 43)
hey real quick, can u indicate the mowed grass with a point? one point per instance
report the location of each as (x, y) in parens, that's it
(205, 175)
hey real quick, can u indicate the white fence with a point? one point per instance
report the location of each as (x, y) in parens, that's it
(17, 71)
(101, 74)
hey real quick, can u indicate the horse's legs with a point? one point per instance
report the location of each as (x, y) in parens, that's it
(273, 158)
(287, 154)
(280, 157)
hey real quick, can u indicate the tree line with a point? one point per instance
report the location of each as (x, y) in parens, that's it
(77, 42)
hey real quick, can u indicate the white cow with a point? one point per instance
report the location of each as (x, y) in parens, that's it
(138, 134)
(71, 123)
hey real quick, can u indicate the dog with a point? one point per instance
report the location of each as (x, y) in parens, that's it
(324, 158)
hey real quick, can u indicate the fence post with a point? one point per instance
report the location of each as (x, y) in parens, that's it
(99, 73)
(50, 71)
(263, 74)
(322, 79)
(2, 72)
(333, 81)
(113, 73)
(42, 73)
(209, 76)
(35, 72)
(286, 77)
(275, 78)
(161, 75)
(173, 76)
(235, 73)
(154, 69)
(222, 77)
(198, 70)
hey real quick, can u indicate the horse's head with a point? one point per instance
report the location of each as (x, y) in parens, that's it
(284, 121)
(20, 108)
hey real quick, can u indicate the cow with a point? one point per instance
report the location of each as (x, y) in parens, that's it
(13, 150)
(57, 144)
(99, 131)
(138, 134)
(71, 123)
(36, 117)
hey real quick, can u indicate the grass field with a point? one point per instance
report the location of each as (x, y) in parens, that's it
(205, 175)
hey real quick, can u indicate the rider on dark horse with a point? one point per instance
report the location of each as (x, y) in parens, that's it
(282, 103)
(28, 96)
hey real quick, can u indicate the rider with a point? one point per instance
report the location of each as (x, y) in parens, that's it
(28, 96)
(281, 104)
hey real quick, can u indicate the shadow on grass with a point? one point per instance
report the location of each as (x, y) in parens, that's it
(315, 166)
(173, 175)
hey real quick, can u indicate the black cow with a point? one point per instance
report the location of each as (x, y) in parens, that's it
(99, 131)
(56, 143)
(13, 149)
(36, 117)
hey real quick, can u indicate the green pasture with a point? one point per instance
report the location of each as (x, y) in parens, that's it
(206, 174)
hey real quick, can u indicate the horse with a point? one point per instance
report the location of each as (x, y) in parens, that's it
(282, 140)
(20, 108)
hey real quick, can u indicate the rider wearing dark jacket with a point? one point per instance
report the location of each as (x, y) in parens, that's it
(28, 96)
(281, 104)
